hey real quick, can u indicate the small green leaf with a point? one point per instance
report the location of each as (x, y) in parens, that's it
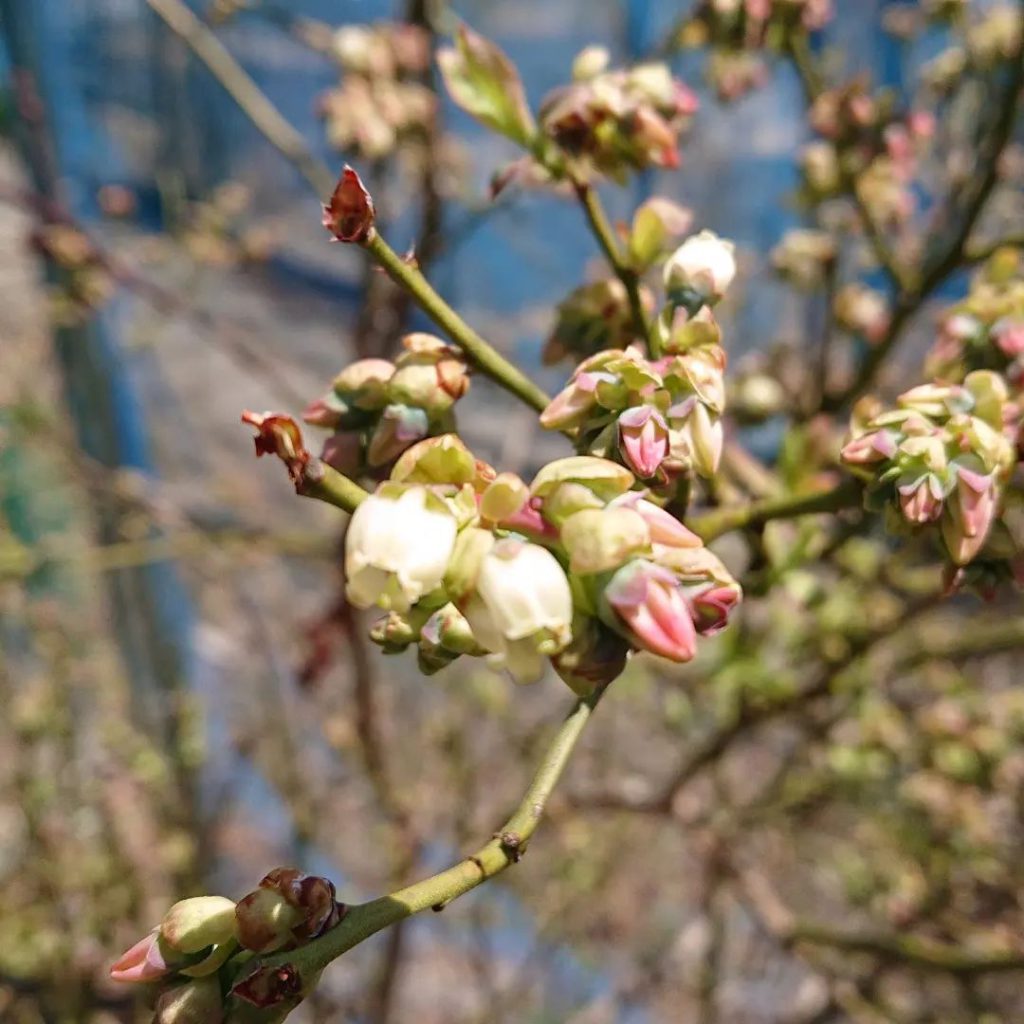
(485, 83)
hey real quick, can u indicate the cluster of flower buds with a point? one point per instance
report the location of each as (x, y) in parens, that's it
(805, 257)
(611, 121)
(941, 456)
(85, 283)
(224, 230)
(865, 140)
(862, 310)
(382, 99)
(986, 330)
(738, 33)
(661, 417)
(377, 409)
(605, 121)
(575, 568)
(201, 953)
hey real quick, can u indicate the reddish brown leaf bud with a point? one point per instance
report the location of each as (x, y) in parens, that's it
(349, 215)
(267, 986)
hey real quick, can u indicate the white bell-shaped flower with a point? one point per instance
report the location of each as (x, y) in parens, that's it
(397, 548)
(521, 607)
(704, 264)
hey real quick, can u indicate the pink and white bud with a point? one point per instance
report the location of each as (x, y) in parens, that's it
(648, 602)
(1009, 337)
(971, 511)
(143, 962)
(705, 264)
(397, 548)
(711, 606)
(922, 500)
(664, 529)
(399, 427)
(572, 405)
(643, 440)
(875, 446)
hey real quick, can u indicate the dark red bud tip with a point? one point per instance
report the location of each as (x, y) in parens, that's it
(349, 215)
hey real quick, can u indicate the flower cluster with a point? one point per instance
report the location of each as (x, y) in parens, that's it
(201, 948)
(659, 417)
(986, 330)
(381, 99)
(85, 283)
(576, 567)
(739, 31)
(864, 140)
(605, 121)
(611, 121)
(377, 409)
(941, 456)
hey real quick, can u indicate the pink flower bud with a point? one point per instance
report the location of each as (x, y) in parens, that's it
(572, 405)
(643, 439)
(399, 427)
(1009, 337)
(711, 607)
(143, 962)
(971, 511)
(922, 500)
(876, 446)
(649, 602)
(663, 527)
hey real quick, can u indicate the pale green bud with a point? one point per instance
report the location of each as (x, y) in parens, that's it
(599, 540)
(194, 924)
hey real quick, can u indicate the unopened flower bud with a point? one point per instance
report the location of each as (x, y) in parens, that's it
(820, 165)
(604, 478)
(364, 383)
(194, 924)
(704, 264)
(664, 529)
(647, 601)
(874, 446)
(971, 510)
(437, 460)
(265, 920)
(602, 539)
(921, 500)
(145, 961)
(643, 439)
(397, 548)
(572, 405)
(589, 63)
(399, 427)
(710, 606)
(503, 497)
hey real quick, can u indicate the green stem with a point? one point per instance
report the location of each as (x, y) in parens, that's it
(436, 892)
(326, 484)
(710, 525)
(919, 952)
(605, 235)
(478, 351)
